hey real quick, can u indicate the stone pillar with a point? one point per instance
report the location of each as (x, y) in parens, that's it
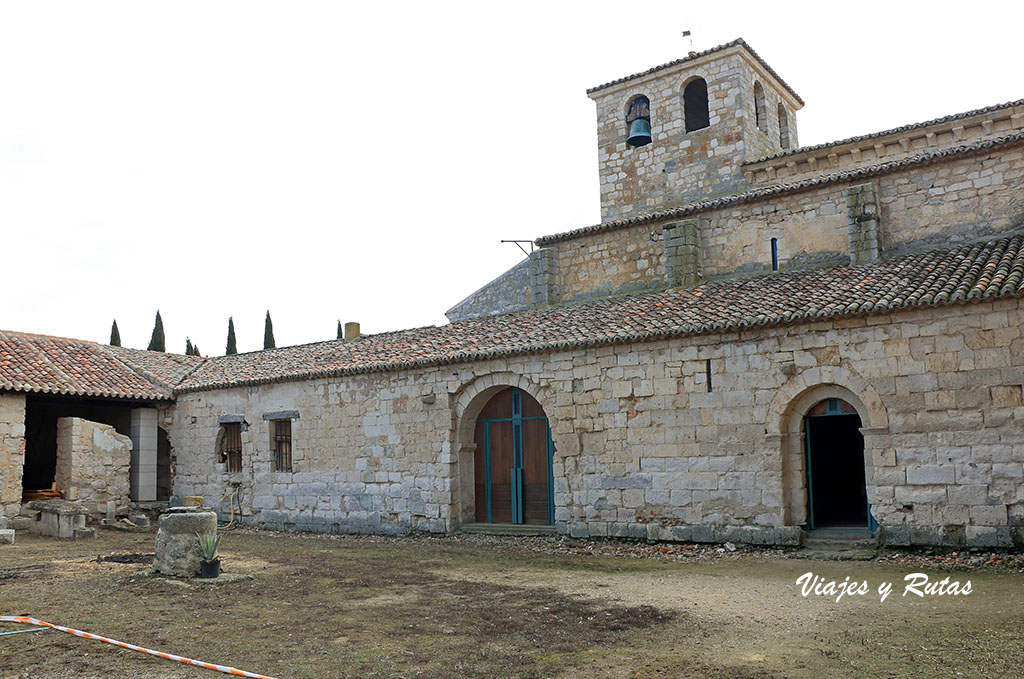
(12, 452)
(682, 245)
(862, 222)
(542, 273)
(143, 467)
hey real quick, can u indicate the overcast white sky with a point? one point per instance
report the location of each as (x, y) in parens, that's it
(362, 160)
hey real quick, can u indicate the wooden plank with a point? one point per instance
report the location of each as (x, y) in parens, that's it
(502, 459)
(535, 471)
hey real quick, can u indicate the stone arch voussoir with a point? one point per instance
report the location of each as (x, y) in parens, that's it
(814, 384)
(469, 400)
(784, 425)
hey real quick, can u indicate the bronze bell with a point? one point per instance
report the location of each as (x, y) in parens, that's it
(639, 132)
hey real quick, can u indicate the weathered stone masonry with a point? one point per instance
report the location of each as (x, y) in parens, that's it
(643, 450)
(675, 414)
(12, 450)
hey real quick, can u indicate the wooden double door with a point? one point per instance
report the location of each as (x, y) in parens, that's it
(513, 461)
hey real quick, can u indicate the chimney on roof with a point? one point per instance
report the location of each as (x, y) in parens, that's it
(351, 331)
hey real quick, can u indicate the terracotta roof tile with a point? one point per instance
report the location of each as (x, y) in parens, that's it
(972, 272)
(697, 55)
(58, 365)
(39, 363)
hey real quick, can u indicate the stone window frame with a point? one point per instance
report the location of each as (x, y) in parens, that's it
(760, 107)
(687, 113)
(232, 459)
(272, 419)
(629, 105)
(785, 139)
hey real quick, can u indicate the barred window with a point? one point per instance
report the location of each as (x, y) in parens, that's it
(231, 446)
(281, 432)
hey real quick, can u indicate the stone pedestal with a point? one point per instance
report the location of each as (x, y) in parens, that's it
(56, 518)
(176, 543)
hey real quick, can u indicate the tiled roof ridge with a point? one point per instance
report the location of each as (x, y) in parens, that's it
(376, 335)
(983, 270)
(158, 383)
(199, 364)
(738, 42)
(47, 337)
(895, 130)
(784, 188)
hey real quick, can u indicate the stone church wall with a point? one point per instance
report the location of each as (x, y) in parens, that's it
(919, 207)
(643, 448)
(930, 206)
(989, 123)
(368, 455)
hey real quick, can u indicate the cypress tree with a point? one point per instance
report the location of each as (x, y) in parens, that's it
(232, 348)
(268, 333)
(341, 331)
(195, 350)
(188, 347)
(156, 342)
(115, 336)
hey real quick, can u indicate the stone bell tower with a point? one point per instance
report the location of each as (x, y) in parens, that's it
(680, 132)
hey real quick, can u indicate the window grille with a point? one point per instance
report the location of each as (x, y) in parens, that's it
(232, 449)
(282, 445)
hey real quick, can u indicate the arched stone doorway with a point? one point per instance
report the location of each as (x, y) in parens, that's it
(837, 496)
(512, 461)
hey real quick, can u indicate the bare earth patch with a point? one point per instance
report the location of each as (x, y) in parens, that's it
(329, 606)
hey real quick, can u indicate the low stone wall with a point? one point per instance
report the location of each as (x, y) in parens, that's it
(93, 463)
(12, 451)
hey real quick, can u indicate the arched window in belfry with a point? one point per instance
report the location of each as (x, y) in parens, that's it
(695, 105)
(760, 113)
(638, 122)
(783, 127)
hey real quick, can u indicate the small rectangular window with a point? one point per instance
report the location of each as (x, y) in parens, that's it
(775, 254)
(707, 368)
(282, 442)
(231, 446)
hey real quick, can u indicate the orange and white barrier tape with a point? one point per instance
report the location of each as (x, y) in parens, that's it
(24, 619)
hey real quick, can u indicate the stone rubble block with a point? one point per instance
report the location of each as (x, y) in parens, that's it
(176, 543)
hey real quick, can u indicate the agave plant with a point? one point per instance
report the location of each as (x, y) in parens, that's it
(209, 543)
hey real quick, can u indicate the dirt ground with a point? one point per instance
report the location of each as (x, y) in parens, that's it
(329, 606)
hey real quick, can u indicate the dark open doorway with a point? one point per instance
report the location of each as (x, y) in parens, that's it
(163, 465)
(41, 415)
(836, 491)
(513, 461)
